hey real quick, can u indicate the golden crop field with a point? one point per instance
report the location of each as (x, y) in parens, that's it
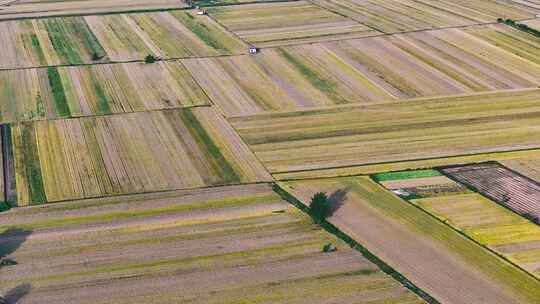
(283, 23)
(527, 166)
(490, 224)
(431, 254)
(219, 245)
(392, 16)
(58, 160)
(390, 132)
(98, 89)
(23, 9)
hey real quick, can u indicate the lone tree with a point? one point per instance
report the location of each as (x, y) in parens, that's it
(319, 207)
(150, 59)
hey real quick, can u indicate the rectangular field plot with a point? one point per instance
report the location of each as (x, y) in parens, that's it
(53, 41)
(130, 153)
(204, 246)
(392, 16)
(282, 79)
(417, 184)
(491, 225)
(416, 129)
(98, 89)
(438, 259)
(274, 24)
(165, 34)
(48, 8)
(118, 37)
(442, 62)
(501, 185)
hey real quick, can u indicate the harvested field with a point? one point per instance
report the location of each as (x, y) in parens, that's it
(392, 16)
(535, 23)
(68, 159)
(219, 245)
(275, 24)
(390, 132)
(442, 262)
(166, 34)
(408, 165)
(424, 64)
(501, 185)
(444, 62)
(118, 37)
(529, 166)
(282, 80)
(491, 225)
(28, 43)
(93, 90)
(34, 8)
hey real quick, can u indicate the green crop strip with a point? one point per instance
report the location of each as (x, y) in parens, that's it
(103, 106)
(320, 83)
(32, 168)
(60, 101)
(387, 176)
(201, 30)
(217, 160)
(68, 35)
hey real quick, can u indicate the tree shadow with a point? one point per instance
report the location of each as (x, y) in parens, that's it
(337, 199)
(10, 241)
(15, 294)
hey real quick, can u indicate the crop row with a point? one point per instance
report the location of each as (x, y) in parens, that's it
(91, 39)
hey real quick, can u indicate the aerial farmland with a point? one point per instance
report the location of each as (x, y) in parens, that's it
(270, 151)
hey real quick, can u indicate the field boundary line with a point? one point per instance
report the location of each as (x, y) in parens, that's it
(380, 34)
(107, 114)
(134, 11)
(382, 265)
(408, 160)
(345, 16)
(502, 257)
(119, 195)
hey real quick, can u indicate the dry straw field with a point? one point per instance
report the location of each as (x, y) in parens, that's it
(450, 267)
(392, 16)
(274, 24)
(390, 132)
(69, 159)
(432, 63)
(98, 89)
(219, 245)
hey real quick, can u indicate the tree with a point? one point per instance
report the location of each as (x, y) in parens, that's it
(150, 59)
(319, 207)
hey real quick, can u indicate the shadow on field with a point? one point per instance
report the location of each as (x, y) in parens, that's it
(15, 294)
(10, 241)
(337, 199)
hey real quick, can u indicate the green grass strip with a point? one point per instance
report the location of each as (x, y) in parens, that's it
(32, 167)
(388, 176)
(218, 162)
(60, 100)
(322, 84)
(200, 29)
